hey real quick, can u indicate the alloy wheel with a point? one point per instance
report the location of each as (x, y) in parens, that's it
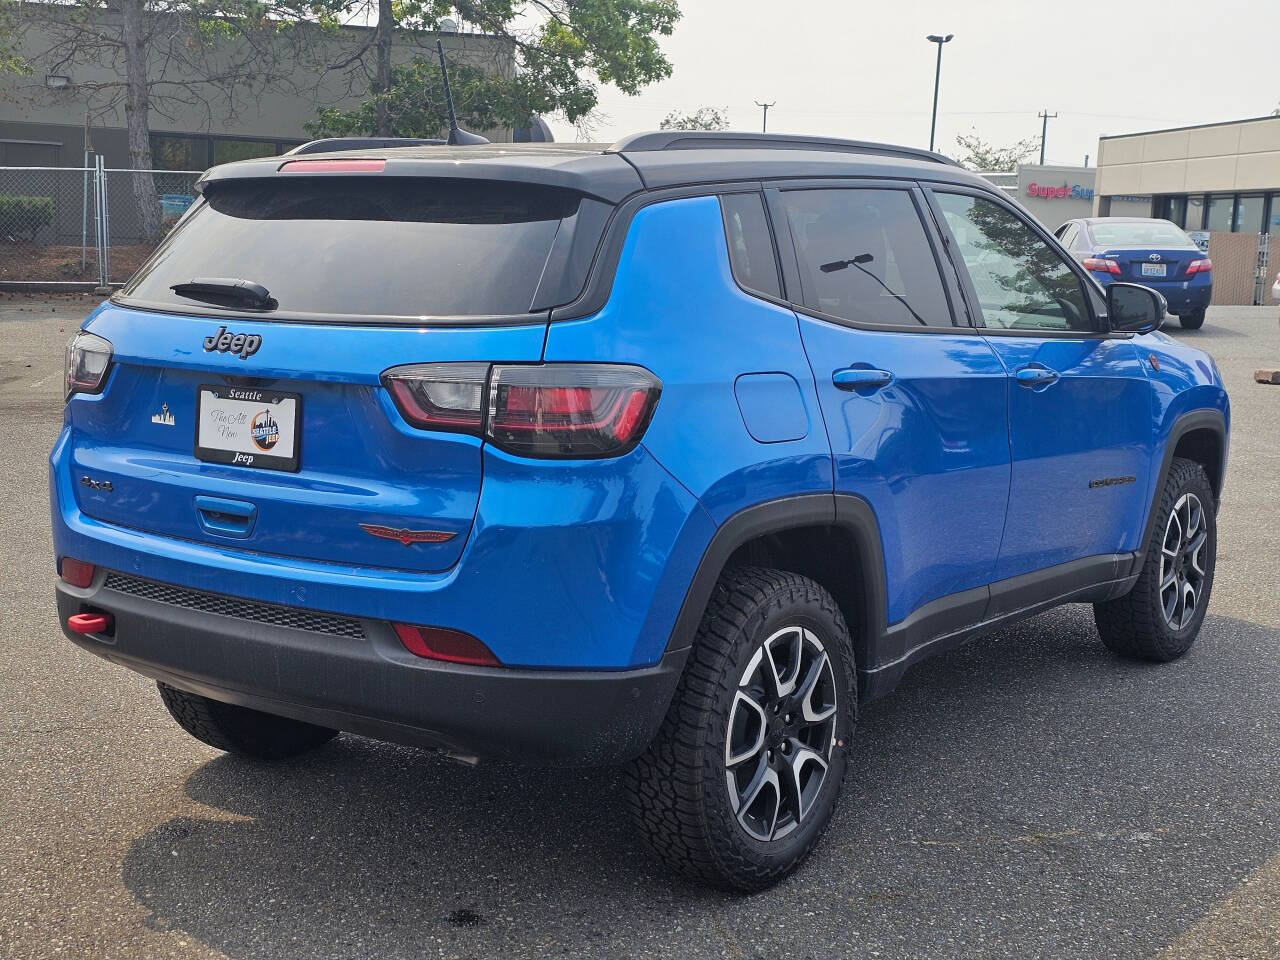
(1182, 561)
(781, 731)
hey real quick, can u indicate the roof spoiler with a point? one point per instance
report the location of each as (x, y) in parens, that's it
(334, 144)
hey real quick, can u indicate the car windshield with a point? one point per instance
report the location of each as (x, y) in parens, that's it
(364, 246)
(1138, 233)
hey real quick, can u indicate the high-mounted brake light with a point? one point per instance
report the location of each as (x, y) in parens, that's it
(1199, 266)
(451, 646)
(1102, 265)
(333, 166)
(552, 410)
(87, 361)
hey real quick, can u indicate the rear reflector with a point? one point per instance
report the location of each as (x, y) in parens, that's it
(450, 646)
(333, 166)
(87, 623)
(77, 572)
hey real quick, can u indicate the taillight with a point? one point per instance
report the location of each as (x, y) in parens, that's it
(570, 409)
(440, 396)
(451, 646)
(1102, 265)
(87, 361)
(76, 572)
(1199, 266)
(556, 410)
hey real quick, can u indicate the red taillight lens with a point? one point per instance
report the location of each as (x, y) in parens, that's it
(451, 646)
(1102, 265)
(76, 572)
(333, 166)
(570, 410)
(440, 396)
(88, 359)
(1199, 266)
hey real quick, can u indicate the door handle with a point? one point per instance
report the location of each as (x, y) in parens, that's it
(1035, 376)
(859, 378)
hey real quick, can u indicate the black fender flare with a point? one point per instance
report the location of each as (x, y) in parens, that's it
(850, 513)
(1203, 419)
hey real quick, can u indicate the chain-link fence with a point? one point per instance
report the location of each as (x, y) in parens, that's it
(82, 224)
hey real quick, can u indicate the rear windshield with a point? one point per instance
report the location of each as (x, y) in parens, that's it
(364, 246)
(1151, 233)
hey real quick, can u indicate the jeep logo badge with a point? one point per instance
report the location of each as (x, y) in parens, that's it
(244, 345)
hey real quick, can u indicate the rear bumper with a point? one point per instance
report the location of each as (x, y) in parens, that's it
(365, 682)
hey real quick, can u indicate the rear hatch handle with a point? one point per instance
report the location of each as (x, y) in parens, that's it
(226, 518)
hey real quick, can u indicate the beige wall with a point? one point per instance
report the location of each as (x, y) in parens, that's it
(1221, 158)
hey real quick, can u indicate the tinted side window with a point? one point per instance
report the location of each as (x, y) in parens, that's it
(750, 243)
(1021, 282)
(1067, 235)
(864, 256)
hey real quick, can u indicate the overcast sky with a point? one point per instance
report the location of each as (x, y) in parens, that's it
(864, 69)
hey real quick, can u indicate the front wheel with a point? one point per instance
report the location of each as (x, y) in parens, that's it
(1193, 320)
(1160, 618)
(742, 778)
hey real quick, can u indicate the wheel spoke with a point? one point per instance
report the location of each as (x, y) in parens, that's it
(1194, 550)
(1171, 578)
(818, 671)
(746, 730)
(800, 783)
(761, 801)
(787, 645)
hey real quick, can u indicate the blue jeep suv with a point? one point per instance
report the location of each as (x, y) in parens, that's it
(666, 453)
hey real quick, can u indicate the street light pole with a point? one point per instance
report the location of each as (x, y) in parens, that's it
(937, 79)
(764, 125)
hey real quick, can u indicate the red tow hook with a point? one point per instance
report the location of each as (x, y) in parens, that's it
(87, 623)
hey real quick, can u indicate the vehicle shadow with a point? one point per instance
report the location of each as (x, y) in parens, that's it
(997, 775)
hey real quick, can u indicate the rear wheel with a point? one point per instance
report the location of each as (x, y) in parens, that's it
(741, 780)
(239, 730)
(1160, 618)
(1192, 321)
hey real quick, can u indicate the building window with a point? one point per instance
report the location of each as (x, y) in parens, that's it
(170, 152)
(1174, 209)
(1248, 218)
(1273, 215)
(1220, 213)
(1195, 213)
(225, 151)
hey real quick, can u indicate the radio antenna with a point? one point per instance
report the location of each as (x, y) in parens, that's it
(457, 136)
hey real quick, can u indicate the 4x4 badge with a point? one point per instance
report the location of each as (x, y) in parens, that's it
(245, 345)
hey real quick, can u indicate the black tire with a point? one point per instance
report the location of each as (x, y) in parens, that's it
(1138, 625)
(679, 790)
(1192, 321)
(239, 730)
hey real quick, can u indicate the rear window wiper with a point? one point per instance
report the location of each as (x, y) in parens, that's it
(227, 292)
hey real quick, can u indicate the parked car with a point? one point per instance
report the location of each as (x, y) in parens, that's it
(1154, 253)
(666, 454)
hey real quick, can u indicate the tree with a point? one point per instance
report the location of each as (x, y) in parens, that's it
(11, 61)
(551, 62)
(704, 118)
(162, 55)
(980, 155)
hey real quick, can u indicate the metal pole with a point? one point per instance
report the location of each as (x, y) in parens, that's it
(764, 126)
(937, 81)
(1044, 129)
(84, 204)
(106, 223)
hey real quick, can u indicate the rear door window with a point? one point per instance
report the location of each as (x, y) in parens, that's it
(750, 243)
(864, 256)
(379, 247)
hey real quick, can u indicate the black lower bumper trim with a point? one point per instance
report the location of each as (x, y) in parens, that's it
(376, 688)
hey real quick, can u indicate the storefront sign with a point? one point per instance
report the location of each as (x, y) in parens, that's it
(1074, 191)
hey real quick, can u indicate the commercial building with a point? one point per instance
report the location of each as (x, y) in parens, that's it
(1219, 179)
(1056, 194)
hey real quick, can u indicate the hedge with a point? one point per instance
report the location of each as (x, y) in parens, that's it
(24, 215)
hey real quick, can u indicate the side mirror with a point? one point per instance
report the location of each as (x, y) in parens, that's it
(1135, 308)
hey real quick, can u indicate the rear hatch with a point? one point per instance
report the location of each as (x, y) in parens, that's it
(260, 422)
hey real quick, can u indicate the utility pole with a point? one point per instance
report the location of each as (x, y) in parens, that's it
(937, 79)
(764, 124)
(1044, 129)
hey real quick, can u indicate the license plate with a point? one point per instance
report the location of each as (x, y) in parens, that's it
(247, 428)
(1154, 269)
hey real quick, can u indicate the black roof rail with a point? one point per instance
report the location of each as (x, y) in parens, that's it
(730, 139)
(334, 144)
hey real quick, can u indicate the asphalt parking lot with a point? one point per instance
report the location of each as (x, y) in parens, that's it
(1026, 795)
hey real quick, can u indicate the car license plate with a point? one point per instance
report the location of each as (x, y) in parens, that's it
(1154, 269)
(247, 427)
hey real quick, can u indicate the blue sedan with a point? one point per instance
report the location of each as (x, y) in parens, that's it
(1142, 250)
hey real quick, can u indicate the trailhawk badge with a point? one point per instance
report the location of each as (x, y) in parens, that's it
(407, 537)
